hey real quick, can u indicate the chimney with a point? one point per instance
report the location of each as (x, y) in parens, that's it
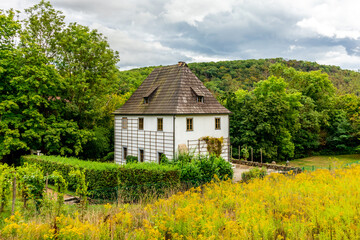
(182, 64)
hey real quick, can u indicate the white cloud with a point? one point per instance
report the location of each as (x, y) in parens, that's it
(338, 56)
(336, 18)
(192, 12)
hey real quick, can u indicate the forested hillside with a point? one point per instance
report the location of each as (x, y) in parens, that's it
(229, 76)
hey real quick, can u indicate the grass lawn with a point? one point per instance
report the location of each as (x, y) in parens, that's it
(325, 161)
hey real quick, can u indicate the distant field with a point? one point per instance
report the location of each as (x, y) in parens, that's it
(325, 161)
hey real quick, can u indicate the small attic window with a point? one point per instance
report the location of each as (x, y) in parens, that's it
(149, 93)
(198, 93)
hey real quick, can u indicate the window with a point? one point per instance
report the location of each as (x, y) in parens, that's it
(124, 122)
(141, 155)
(159, 124)
(200, 99)
(217, 123)
(124, 153)
(189, 124)
(141, 123)
(160, 155)
(146, 100)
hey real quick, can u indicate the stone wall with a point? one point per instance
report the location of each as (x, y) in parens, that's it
(267, 165)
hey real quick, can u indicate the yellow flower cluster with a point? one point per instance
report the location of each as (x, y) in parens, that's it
(313, 205)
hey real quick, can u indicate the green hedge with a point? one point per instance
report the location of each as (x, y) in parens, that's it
(108, 179)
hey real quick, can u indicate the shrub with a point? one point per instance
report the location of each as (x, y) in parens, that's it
(253, 173)
(137, 179)
(99, 145)
(109, 157)
(104, 179)
(190, 173)
(202, 169)
(131, 159)
(224, 169)
(213, 145)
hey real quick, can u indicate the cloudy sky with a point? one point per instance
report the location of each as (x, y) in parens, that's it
(163, 32)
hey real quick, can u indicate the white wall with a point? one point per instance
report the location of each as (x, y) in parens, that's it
(203, 125)
(153, 141)
(149, 139)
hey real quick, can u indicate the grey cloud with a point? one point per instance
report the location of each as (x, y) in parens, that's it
(143, 34)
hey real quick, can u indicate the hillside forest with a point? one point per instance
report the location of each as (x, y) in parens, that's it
(60, 84)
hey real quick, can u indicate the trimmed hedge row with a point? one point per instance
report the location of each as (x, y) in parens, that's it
(107, 179)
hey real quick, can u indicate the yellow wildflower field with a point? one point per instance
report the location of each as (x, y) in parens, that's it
(313, 205)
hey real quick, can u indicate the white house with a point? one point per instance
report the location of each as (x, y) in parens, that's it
(171, 110)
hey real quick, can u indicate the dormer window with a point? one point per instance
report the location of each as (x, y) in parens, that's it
(199, 94)
(149, 94)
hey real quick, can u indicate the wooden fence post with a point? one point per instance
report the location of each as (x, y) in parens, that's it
(261, 154)
(13, 197)
(252, 159)
(199, 148)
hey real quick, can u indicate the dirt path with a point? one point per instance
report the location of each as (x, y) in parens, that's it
(239, 169)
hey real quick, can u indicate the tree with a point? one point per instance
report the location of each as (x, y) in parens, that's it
(56, 83)
(264, 117)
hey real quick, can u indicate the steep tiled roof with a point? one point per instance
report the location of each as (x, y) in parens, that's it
(172, 90)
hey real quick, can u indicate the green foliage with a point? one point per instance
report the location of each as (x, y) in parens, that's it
(131, 159)
(202, 169)
(32, 184)
(109, 157)
(56, 87)
(253, 173)
(137, 179)
(99, 146)
(99, 176)
(103, 179)
(244, 152)
(6, 177)
(213, 145)
(229, 76)
(81, 186)
(60, 186)
(264, 118)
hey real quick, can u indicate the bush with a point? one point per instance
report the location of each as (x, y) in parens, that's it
(99, 145)
(104, 179)
(201, 169)
(137, 179)
(190, 173)
(224, 169)
(109, 157)
(253, 173)
(131, 159)
(134, 179)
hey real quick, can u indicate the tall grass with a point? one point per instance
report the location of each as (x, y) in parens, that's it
(313, 205)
